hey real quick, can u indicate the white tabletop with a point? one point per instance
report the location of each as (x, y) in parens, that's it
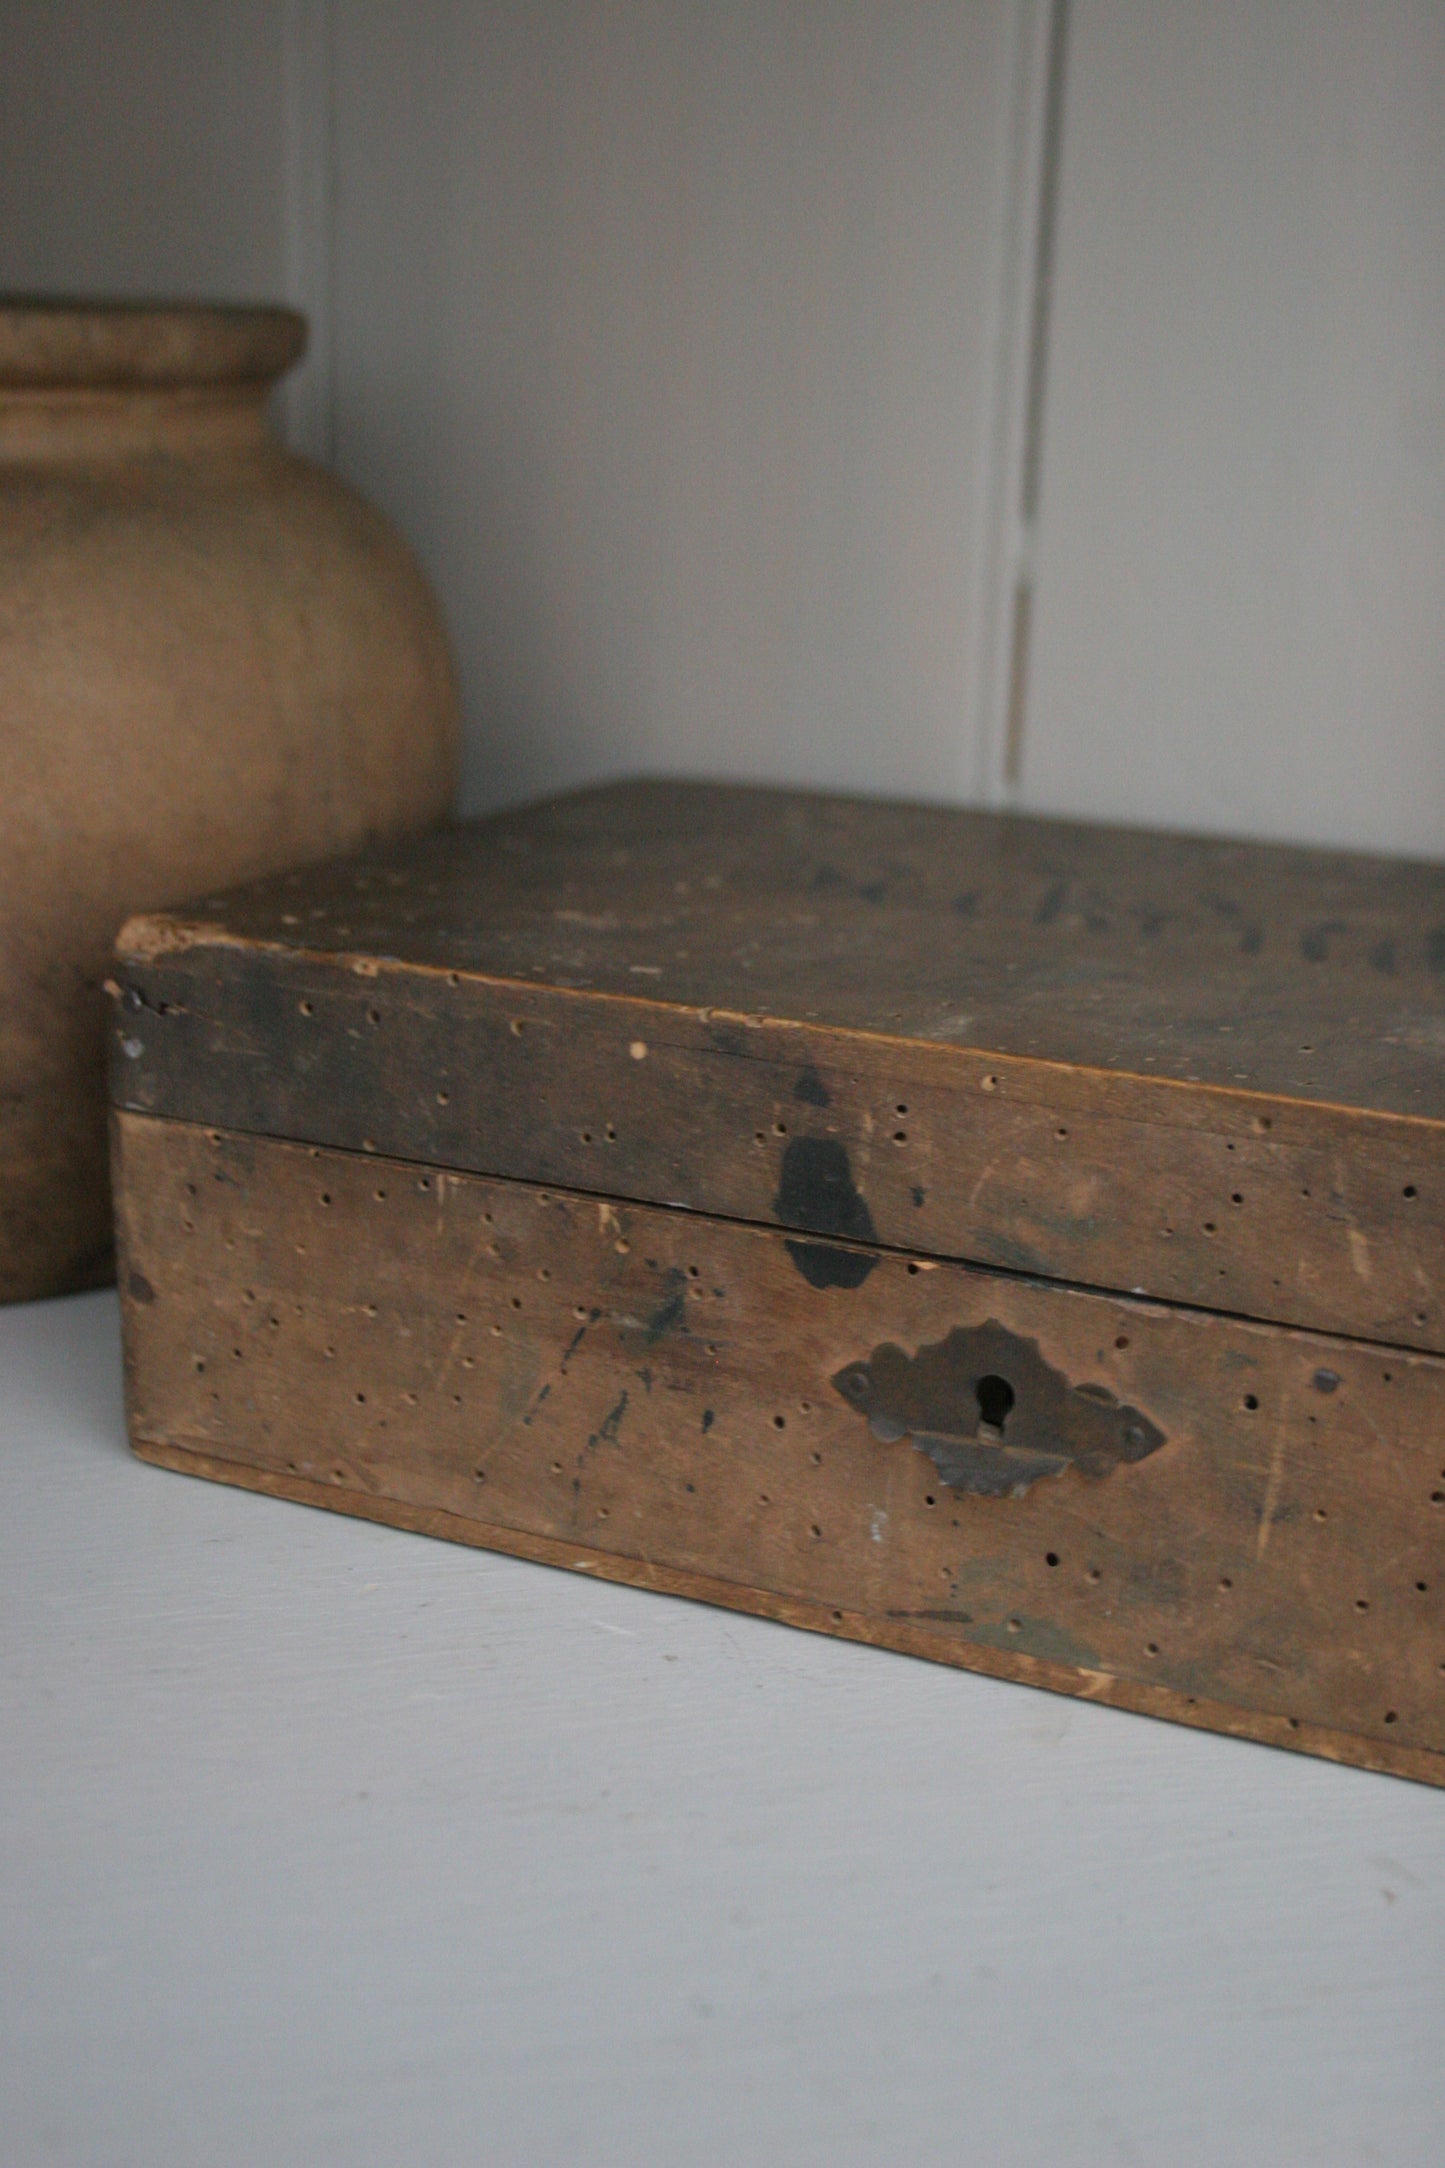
(327, 1844)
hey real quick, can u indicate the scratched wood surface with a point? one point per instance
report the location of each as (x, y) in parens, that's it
(664, 1398)
(1208, 1072)
(1307, 974)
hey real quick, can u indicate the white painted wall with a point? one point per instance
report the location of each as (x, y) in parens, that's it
(687, 344)
(1240, 616)
(677, 337)
(141, 148)
(667, 329)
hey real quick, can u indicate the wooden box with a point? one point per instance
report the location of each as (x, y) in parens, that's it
(1015, 1243)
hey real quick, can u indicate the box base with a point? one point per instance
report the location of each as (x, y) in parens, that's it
(898, 1636)
(716, 1410)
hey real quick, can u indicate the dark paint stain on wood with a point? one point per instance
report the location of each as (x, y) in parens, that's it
(811, 1089)
(1151, 921)
(139, 1288)
(576, 1340)
(816, 1191)
(1052, 903)
(1037, 1637)
(824, 1264)
(934, 1613)
(1012, 1255)
(1251, 931)
(1327, 1381)
(828, 879)
(607, 1430)
(991, 1414)
(669, 1312)
(1315, 940)
(1160, 1583)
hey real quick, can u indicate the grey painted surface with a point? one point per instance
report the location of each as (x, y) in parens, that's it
(323, 1843)
(668, 330)
(142, 148)
(1241, 607)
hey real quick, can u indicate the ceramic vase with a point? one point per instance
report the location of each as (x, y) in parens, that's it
(215, 661)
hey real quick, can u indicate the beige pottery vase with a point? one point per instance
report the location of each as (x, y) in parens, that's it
(215, 661)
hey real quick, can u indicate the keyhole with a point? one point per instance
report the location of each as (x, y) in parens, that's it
(995, 1398)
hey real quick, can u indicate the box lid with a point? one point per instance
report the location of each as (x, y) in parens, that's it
(1209, 1072)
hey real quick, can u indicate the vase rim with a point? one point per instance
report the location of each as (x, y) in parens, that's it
(59, 344)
